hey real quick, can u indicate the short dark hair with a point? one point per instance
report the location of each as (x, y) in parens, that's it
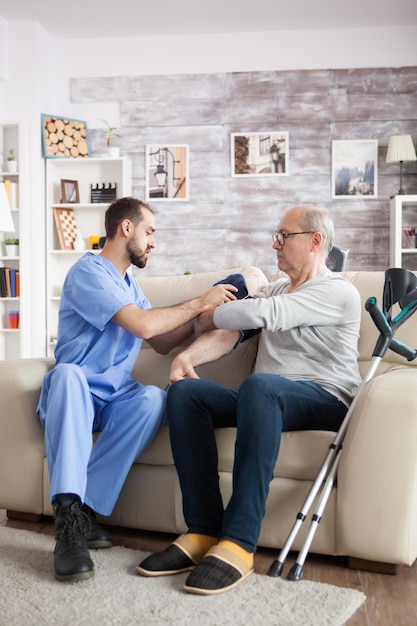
(123, 208)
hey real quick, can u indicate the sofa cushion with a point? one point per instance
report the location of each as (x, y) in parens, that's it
(164, 290)
(153, 369)
(301, 455)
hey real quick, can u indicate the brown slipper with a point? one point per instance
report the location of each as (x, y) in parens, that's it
(180, 556)
(219, 571)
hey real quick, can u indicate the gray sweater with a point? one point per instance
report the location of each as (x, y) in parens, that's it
(309, 334)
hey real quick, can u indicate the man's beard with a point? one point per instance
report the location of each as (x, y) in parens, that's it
(138, 260)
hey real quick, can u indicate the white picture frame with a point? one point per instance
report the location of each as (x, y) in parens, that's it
(167, 172)
(259, 154)
(354, 168)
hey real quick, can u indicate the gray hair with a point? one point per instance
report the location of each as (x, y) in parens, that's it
(318, 220)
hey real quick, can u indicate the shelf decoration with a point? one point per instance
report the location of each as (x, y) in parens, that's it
(14, 319)
(69, 191)
(66, 227)
(63, 137)
(410, 235)
(12, 190)
(103, 192)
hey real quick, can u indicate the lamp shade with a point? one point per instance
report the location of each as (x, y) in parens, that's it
(6, 221)
(161, 175)
(400, 148)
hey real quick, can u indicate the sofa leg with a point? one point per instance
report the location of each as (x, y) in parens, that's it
(373, 566)
(25, 517)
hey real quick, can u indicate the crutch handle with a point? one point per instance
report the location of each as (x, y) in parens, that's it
(408, 298)
(378, 317)
(381, 322)
(387, 329)
(403, 350)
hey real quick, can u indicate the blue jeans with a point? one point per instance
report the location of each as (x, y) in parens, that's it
(262, 408)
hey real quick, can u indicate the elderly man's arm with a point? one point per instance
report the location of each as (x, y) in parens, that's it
(210, 346)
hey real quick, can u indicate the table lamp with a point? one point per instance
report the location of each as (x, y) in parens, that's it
(400, 149)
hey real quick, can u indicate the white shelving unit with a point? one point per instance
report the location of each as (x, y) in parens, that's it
(403, 215)
(14, 342)
(89, 218)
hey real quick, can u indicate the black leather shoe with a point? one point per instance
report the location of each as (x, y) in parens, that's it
(71, 558)
(96, 537)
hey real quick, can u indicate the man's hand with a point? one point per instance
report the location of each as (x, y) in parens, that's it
(219, 294)
(181, 368)
(207, 348)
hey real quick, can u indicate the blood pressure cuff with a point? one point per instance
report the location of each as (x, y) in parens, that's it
(239, 281)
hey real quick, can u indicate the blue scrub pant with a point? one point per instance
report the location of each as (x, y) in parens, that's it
(70, 414)
(262, 408)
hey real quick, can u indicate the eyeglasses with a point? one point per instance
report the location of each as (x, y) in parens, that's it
(281, 237)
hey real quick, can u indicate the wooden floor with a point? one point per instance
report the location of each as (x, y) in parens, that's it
(391, 600)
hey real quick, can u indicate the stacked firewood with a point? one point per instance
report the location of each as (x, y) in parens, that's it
(65, 138)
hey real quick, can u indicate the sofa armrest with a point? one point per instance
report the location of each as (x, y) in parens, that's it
(377, 478)
(22, 451)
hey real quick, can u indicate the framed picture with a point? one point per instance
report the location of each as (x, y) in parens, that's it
(64, 137)
(354, 168)
(259, 154)
(66, 227)
(167, 172)
(69, 191)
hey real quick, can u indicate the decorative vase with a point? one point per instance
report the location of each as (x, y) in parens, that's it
(78, 243)
(12, 250)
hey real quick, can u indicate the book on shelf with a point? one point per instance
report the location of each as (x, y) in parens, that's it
(7, 275)
(12, 190)
(9, 282)
(13, 275)
(3, 290)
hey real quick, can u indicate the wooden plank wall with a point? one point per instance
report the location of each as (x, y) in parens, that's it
(228, 221)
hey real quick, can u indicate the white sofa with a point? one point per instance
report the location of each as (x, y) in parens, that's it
(372, 513)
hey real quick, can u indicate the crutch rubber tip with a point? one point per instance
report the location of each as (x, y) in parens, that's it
(275, 569)
(296, 572)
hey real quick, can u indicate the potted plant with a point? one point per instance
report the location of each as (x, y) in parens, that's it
(111, 132)
(12, 247)
(11, 161)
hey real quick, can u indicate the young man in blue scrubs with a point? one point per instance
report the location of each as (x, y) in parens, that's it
(103, 318)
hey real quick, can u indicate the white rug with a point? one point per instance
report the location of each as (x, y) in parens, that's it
(30, 595)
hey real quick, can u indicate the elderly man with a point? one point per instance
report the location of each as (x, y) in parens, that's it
(305, 377)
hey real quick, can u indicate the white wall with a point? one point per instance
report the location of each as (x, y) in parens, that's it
(323, 49)
(26, 88)
(234, 52)
(35, 70)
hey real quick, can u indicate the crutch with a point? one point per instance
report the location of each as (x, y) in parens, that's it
(400, 286)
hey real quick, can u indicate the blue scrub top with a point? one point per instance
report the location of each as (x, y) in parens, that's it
(92, 293)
